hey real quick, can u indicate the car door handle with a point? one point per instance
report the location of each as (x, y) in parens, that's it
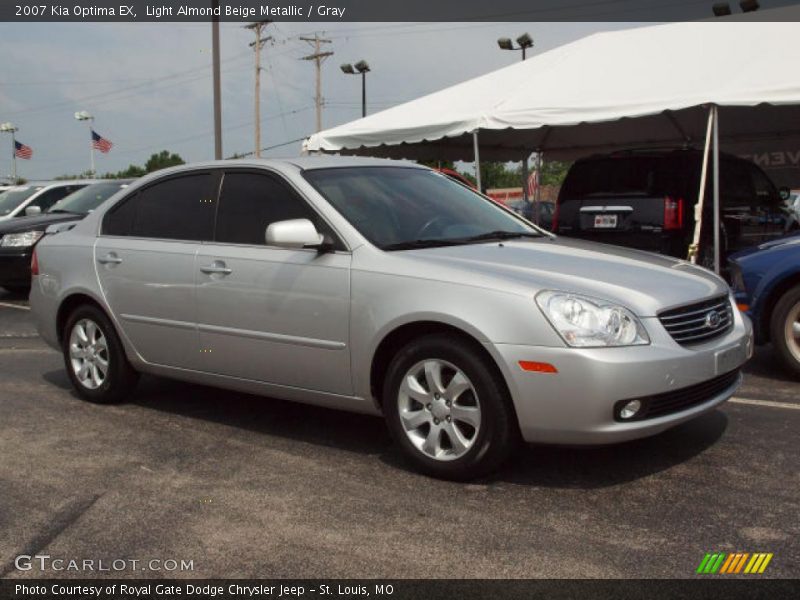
(217, 267)
(109, 259)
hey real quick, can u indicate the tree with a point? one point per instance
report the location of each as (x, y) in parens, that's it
(162, 160)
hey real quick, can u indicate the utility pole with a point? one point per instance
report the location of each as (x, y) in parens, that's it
(217, 86)
(256, 45)
(318, 57)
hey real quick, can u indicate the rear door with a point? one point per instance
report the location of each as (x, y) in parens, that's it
(145, 261)
(270, 314)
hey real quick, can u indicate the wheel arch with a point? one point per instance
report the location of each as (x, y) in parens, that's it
(774, 294)
(69, 304)
(402, 334)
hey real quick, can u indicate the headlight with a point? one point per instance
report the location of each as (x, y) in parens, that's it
(588, 322)
(21, 240)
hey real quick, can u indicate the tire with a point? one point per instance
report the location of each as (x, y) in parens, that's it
(783, 329)
(87, 324)
(441, 433)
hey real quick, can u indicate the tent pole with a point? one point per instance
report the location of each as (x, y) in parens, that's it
(525, 197)
(701, 196)
(477, 159)
(537, 192)
(715, 108)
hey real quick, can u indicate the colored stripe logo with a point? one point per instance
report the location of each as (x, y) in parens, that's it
(734, 563)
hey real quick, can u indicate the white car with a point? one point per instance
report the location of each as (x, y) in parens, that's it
(36, 197)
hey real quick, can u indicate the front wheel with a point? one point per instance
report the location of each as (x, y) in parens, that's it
(94, 357)
(448, 411)
(785, 330)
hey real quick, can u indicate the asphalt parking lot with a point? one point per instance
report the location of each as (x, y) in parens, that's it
(248, 487)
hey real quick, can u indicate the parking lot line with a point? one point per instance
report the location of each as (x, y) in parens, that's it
(786, 405)
(9, 305)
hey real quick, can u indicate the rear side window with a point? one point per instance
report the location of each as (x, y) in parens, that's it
(249, 202)
(625, 176)
(179, 208)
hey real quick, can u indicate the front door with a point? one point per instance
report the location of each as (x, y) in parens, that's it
(271, 314)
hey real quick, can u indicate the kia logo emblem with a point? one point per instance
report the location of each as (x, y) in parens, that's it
(713, 319)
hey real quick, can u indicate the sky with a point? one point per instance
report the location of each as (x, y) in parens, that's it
(149, 85)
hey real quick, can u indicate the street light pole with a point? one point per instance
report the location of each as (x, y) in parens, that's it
(362, 68)
(85, 116)
(524, 42)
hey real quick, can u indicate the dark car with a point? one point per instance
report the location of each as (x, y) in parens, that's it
(646, 199)
(19, 236)
(766, 284)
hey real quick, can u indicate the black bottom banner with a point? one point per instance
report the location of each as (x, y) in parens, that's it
(395, 589)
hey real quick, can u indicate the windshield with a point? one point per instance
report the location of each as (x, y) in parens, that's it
(397, 207)
(11, 199)
(88, 198)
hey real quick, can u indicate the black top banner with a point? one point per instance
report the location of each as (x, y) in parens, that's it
(388, 11)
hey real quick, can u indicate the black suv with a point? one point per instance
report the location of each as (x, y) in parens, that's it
(645, 199)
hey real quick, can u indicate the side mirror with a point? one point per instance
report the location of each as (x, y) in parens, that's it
(32, 211)
(784, 192)
(294, 233)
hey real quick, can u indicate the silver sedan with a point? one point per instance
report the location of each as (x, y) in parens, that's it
(385, 288)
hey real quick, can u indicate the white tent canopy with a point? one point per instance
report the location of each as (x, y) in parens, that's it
(641, 87)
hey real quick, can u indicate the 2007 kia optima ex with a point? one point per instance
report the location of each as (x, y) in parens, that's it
(386, 288)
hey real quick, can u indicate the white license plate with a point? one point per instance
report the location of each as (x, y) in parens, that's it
(605, 221)
(731, 358)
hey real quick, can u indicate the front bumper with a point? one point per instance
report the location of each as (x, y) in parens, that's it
(576, 404)
(15, 266)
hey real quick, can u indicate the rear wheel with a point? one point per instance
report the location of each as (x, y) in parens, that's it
(448, 411)
(785, 330)
(94, 357)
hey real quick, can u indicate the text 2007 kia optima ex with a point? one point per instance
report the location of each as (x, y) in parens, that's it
(385, 288)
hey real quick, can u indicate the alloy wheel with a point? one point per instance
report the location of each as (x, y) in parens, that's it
(88, 353)
(439, 409)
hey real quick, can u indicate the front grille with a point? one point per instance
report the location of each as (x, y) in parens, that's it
(699, 322)
(667, 403)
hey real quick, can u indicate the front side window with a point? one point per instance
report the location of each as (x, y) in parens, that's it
(179, 208)
(397, 208)
(51, 196)
(12, 198)
(250, 202)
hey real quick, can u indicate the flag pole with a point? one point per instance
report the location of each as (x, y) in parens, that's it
(13, 157)
(90, 120)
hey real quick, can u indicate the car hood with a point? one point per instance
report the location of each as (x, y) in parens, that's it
(40, 222)
(644, 282)
(776, 244)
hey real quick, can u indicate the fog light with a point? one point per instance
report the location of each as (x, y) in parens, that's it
(630, 409)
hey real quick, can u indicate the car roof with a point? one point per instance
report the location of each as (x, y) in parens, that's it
(303, 163)
(60, 182)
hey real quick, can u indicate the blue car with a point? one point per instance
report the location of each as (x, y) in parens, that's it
(766, 284)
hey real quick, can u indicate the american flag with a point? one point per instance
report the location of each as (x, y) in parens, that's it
(533, 183)
(22, 151)
(101, 143)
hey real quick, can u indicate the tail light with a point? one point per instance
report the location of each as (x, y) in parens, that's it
(554, 224)
(34, 263)
(673, 213)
